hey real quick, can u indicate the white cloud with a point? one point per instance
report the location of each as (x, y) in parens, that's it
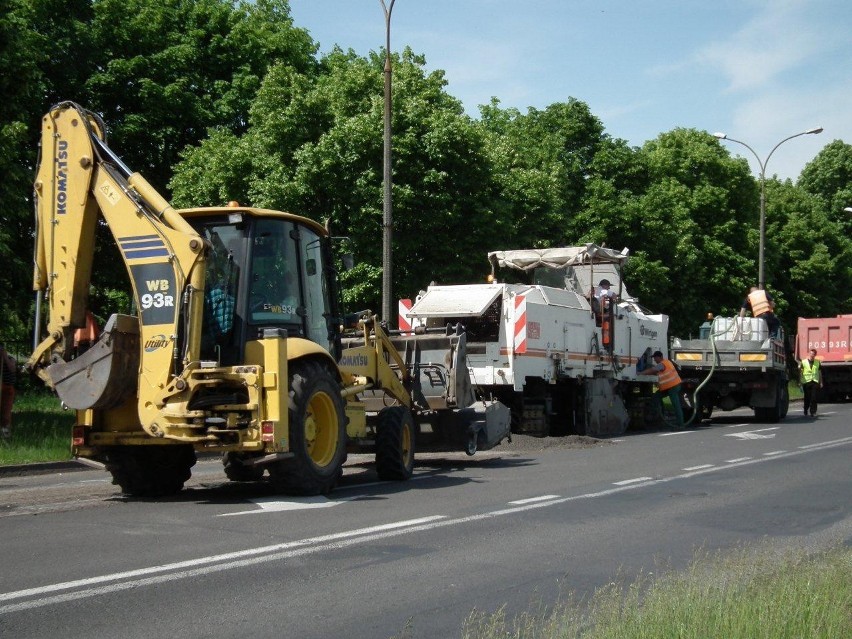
(769, 118)
(776, 40)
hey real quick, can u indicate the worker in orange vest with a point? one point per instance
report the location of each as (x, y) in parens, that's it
(668, 384)
(761, 305)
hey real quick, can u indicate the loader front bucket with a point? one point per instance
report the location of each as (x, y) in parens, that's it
(106, 374)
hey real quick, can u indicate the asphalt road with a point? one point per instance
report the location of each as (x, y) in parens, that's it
(509, 527)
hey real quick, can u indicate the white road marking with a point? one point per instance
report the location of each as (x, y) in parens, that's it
(676, 432)
(532, 500)
(736, 425)
(627, 482)
(774, 452)
(754, 434)
(834, 441)
(698, 467)
(201, 566)
(277, 505)
(238, 555)
(737, 460)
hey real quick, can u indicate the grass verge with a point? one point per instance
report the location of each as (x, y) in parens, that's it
(41, 430)
(751, 593)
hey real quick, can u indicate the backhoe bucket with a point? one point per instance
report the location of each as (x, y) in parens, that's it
(106, 374)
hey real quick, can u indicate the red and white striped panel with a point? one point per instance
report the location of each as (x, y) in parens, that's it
(404, 322)
(520, 344)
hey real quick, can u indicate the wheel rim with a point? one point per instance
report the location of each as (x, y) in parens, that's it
(405, 444)
(321, 429)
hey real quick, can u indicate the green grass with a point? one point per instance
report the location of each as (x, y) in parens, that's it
(795, 390)
(41, 430)
(750, 593)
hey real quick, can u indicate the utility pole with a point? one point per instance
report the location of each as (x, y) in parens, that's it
(387, 208)
(761, 281)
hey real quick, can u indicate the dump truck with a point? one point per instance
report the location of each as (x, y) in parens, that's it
(734, 363)
(544, 342)
(832, 339)
(235, 344)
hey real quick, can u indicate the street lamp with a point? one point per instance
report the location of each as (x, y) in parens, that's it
(762, 164)
(848, 209)
(387, 207)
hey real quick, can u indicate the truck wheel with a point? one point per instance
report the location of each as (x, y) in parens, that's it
(689, 407)
(395, 444)
(783, 399)
(235, 470)
(150, 471)
(317, 433)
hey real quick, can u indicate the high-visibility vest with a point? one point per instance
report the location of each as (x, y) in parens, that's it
(668, 377)
(759, 303)
(810, 372)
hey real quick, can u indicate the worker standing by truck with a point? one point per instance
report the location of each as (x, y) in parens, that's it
(811, 378)
(668, 385)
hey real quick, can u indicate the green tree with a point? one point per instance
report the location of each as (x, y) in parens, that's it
(695, 250)
(541, 161)
(161, 72)
(829, 177)
(314, 146)
(37, 61)
(807, 254)
(165, 71)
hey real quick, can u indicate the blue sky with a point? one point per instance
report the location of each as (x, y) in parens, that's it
(757, 70)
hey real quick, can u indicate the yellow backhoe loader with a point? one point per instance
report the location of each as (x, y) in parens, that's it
(236, 345)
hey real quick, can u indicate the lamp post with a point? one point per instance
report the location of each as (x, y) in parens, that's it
(387, 207)
(762, 164)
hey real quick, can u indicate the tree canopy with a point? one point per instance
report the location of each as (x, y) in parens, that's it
(216, 100)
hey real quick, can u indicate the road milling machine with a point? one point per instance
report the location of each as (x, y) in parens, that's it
(562, 355)
(235, 344)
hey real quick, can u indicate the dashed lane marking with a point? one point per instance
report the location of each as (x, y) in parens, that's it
(532, 500)
(636, 480)
(57, 593)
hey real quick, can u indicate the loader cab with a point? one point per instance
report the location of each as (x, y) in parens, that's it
(264, 270)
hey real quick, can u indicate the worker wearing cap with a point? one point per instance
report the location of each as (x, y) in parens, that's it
(603, 290)
(668, 384)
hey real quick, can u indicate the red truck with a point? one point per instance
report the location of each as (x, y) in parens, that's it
(832, 339)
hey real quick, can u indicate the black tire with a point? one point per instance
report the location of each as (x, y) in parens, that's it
(688, 408)
(471, 446)
(150, 471)
(395, 444)
(317, 433)
(774, 414)
(783, 399)
(235, 470)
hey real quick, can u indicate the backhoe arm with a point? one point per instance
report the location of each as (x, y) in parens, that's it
(79, 179)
